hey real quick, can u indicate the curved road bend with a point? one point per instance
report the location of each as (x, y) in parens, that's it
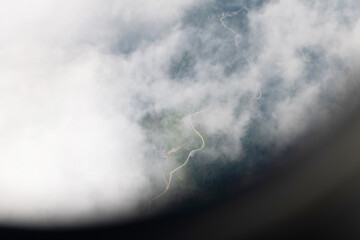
(191, 153)
(231, 30)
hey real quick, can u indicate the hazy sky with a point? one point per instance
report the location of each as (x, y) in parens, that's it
(77, 77)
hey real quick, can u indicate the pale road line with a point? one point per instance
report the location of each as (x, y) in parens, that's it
(231, 30)
(166, 182)
(174, 150)
(225, 15)
(191, 153)
(260, 95)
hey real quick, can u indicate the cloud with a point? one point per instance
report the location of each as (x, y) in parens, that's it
(69, 143)
(77, 81)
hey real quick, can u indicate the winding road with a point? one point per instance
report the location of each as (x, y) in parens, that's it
(225, 15)
(228, 15)
(191, 153)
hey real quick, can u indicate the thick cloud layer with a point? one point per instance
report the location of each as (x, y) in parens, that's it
(78, 79)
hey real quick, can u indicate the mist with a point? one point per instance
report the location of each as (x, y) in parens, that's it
(83, 84)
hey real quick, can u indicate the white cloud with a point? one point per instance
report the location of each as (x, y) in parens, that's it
(69, 144)
(75, 78)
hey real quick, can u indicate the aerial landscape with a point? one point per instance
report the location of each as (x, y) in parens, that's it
(125, 109)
